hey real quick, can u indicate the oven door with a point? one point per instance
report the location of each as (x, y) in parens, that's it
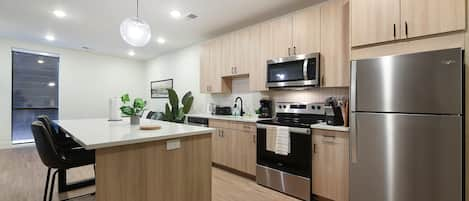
(295, 71)
(298, 162)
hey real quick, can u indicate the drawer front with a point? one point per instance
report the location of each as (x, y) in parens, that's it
(233, 125)
(215, 123)
(243, 126)
(325, 136)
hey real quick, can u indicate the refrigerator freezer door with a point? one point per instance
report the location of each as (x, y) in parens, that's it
(401, 157)
(429, 82)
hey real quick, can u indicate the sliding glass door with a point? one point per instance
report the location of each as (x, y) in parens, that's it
(34, 91)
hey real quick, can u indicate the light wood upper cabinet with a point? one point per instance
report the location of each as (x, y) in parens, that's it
(259, 52)
(205, 68)
(234, 51)
(210, 68)
(330, 160)
(374, 21)
(306, 31)
(282, 35)
(425, 17)
(335, 47)
(228, 51)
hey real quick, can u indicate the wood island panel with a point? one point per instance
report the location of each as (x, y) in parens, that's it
(149, 172)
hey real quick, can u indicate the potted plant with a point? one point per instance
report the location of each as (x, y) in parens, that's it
(173, 111)
(134, 110)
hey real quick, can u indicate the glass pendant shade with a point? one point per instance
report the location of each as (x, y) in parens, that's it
(135, 32)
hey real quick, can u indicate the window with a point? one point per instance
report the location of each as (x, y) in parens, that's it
(34, 91)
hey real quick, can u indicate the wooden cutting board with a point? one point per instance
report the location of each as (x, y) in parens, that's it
(150, 127)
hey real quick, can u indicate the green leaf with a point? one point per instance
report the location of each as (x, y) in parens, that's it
(186, 97)
(180, 115)
(139, 103)
(127, 110)
(168, 114)
(125, 98)
(173, 99)
(188, 104)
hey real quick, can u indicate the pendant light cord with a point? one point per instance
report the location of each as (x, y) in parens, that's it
(137, 11)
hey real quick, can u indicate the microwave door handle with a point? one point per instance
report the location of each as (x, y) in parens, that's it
(305, 69)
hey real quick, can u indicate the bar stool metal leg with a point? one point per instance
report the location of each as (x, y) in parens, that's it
(47, 184)
(51, 193)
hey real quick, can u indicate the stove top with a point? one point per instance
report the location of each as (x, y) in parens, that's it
(297, 115)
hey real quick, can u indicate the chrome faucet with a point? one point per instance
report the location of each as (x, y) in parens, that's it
(241, 112)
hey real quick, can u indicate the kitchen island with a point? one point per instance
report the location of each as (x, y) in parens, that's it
(172, 163)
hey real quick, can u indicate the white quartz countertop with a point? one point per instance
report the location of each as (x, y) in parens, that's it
(249, 119)
(324, 126)
(101, 133)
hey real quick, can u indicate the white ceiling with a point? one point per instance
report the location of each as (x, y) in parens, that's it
(95, 23)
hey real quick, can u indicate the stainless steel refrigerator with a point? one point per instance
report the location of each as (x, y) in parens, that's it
(407, 127)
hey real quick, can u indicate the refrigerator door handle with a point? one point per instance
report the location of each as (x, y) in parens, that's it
(353, 138)
(353, 86)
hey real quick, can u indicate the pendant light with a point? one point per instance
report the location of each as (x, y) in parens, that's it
(135, 31)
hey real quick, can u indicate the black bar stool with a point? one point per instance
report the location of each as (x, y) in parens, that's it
(64, 144)
(54, 158)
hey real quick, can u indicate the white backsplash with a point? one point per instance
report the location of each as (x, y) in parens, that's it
(251, 99)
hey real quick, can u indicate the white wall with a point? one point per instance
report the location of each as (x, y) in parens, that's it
(86, 83)
(183, 67)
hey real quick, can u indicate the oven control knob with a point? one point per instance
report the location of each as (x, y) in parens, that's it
(319, 107)
(284, 106)
(313, 107)
(280, 106)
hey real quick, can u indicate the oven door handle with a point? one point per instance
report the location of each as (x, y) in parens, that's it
(304, 131)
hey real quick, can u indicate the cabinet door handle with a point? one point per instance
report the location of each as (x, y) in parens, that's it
(406, 30)
(254, 139)
(294, 50)
(314, 148)
(289, 52)
(394, 31)
(222, 133)
(236, 70)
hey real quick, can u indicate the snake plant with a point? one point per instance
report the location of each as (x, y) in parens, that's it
(174, 112)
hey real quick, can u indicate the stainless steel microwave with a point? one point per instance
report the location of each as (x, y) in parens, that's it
(293, 71)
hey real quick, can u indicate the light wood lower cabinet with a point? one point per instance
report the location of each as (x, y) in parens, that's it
(330, 162)
(148, 171)
(234, 145)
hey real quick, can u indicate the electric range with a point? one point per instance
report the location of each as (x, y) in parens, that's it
(291, 173)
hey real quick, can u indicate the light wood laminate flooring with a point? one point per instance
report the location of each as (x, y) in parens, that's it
(22, 178)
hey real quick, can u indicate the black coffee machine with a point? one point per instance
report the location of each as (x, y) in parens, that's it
(333, 112)
(265, 111)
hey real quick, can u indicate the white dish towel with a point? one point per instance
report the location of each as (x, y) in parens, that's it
(282, 141)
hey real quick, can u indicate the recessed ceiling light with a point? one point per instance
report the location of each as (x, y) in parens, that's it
(51, 84)
(50, 37)
(161, 40)
(131, 53)
(60, 13)
(40, 61)
(175, 14)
